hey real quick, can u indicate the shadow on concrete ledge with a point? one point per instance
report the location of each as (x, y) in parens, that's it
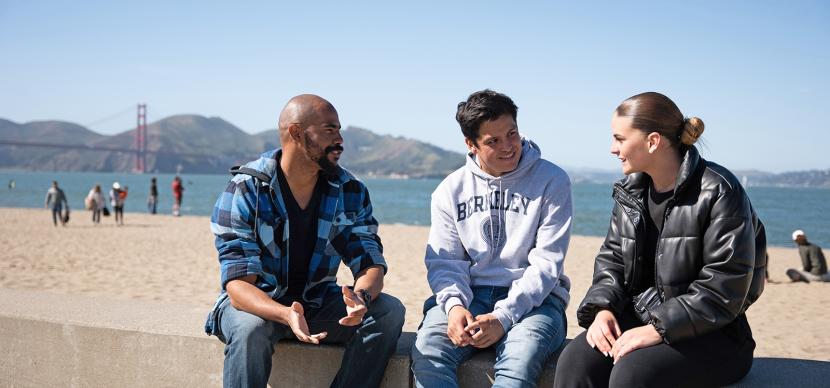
(786, 372)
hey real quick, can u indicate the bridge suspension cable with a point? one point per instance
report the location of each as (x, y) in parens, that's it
(111, 117)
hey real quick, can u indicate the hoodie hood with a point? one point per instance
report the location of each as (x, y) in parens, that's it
(530, 154)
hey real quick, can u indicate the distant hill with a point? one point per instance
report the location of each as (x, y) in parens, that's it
(56, 132)
(208, 145)
(810, 178)
(593, 175)
(749, 178)
(369, 154)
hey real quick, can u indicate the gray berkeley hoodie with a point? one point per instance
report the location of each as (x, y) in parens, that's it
(510, 231)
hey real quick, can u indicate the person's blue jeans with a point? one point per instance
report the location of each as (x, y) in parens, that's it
(249, 341)
(520, 354)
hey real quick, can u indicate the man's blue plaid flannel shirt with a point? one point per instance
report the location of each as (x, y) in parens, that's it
(346, 231)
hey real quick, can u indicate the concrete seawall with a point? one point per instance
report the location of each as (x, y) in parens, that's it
(77, 341)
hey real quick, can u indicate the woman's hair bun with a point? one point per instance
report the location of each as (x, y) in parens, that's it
(692, 129)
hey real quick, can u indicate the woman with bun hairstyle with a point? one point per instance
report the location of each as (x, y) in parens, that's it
(683, 259)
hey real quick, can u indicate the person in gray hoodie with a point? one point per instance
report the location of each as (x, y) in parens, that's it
(500, 231)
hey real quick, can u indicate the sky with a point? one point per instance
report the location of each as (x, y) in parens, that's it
(756, 72)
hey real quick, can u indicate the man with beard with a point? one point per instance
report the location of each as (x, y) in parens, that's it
(282, 226)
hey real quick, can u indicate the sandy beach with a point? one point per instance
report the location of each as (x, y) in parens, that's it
(162, 258)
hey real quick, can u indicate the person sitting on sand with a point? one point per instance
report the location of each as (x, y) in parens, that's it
(684, 258)
(812, 260)
(500, 231)
(298, 203)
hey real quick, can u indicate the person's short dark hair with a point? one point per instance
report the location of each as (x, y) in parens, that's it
(481, 106)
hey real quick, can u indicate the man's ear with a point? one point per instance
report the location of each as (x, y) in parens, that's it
(654, 140)
(471, 146)
(294, 131)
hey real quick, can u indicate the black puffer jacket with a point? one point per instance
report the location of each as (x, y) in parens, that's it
(710, 257)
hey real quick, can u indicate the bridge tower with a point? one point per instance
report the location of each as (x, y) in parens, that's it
(141, 139)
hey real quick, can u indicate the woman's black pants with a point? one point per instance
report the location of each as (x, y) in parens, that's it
(711, 360)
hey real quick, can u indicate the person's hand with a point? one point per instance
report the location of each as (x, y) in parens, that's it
(603, 333)
(296, 320)
(355, 308)
(636, 338)
(457, 320)
(487, 329)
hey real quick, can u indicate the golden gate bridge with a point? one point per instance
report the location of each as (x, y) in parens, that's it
(139, 150)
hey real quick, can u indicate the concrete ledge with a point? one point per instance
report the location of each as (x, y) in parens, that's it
(302, 365)
(70, 340)
(49, 354)
(786, 372)
(77, 341)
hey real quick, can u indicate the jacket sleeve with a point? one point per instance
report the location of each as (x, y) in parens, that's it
(716, 298)
(232, 223)
(546, 259)
(607, 291)
(447, 262)
(363, 246)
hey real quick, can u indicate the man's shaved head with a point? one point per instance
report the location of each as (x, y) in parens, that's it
(303, 109)
(309, 126)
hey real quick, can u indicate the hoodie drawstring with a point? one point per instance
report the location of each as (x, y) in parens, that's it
(490, 202)
(502, 222)
(490, 217)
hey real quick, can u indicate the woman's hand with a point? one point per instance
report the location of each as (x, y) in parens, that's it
(636, 338)
(603, 333)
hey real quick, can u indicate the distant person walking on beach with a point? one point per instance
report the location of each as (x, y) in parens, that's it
(495, 257)
(95, 202)
(178, 191)
(152, 200)
(812, 260)
(56, 200)
(684, 258)
(297, 202)
(117, 198)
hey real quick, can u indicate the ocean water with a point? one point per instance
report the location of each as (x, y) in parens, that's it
(407, 201)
